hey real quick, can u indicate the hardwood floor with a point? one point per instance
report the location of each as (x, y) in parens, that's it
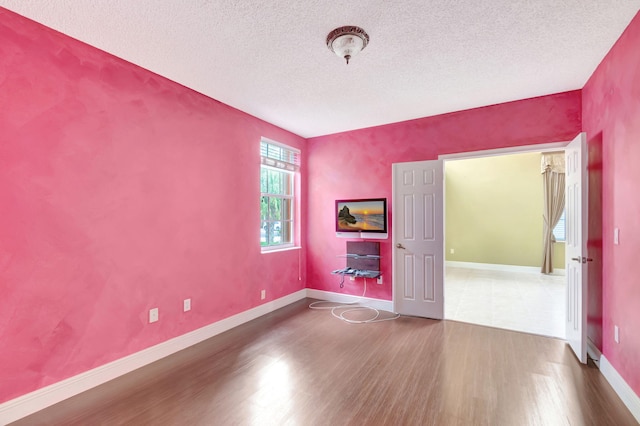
(298, 366)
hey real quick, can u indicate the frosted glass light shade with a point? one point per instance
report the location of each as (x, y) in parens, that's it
(347, 46)
(347, 42)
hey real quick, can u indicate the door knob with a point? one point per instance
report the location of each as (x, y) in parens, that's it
(400, 246)
(577, 259)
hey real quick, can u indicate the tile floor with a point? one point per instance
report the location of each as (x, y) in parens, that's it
(521, 301)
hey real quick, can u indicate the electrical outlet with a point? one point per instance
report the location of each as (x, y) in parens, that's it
(186, 305)
(616, 334)
(263, 294)
(153, 315)
(379, 280)
(616, 236)
(452, 251)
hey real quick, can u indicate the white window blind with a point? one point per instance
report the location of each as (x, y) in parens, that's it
(559, 230)
(281, 157)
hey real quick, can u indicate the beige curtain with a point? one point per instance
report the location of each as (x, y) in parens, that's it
(552, 167)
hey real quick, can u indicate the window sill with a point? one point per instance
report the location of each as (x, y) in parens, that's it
(279, 249)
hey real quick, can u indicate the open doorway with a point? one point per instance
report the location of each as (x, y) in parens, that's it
(493, 246)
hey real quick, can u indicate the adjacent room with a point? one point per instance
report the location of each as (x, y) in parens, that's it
(171, 179)
(494, 216)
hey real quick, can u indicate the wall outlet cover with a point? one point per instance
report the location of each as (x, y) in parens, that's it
(153, 315)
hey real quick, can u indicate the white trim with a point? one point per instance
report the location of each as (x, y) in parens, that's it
(593, 352)
(624, 391)
(543, 147)
(27, 404)
(496, 267)
(279, 248)
(383, 305)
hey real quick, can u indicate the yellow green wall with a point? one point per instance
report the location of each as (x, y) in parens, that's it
(494, 211)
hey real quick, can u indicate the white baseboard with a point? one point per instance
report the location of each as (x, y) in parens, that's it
(496, 267)
(383, 305)
(624, 391)
(24, 405)
(593, 352)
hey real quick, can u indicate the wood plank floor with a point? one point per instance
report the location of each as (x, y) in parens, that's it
(298, 366)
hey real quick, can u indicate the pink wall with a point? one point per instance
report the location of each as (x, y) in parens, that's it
(117, 195)
(357, 164)
(611, 108)
(115, 198)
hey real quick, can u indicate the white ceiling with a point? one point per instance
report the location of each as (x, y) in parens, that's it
(425, 57)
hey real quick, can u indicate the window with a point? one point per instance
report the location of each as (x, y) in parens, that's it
(559, 231)
(279, 164)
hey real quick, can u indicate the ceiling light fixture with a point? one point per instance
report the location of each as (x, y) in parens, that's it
(347, 41)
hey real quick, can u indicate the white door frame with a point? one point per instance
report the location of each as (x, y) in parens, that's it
(548, 147)
(544, 147)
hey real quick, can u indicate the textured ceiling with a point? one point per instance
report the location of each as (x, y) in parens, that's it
(425, 57)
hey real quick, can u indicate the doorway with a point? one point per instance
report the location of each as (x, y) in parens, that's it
(418, 278)
(493, 246)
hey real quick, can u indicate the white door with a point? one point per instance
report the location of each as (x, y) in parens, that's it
(576, 209)
(418, 239)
